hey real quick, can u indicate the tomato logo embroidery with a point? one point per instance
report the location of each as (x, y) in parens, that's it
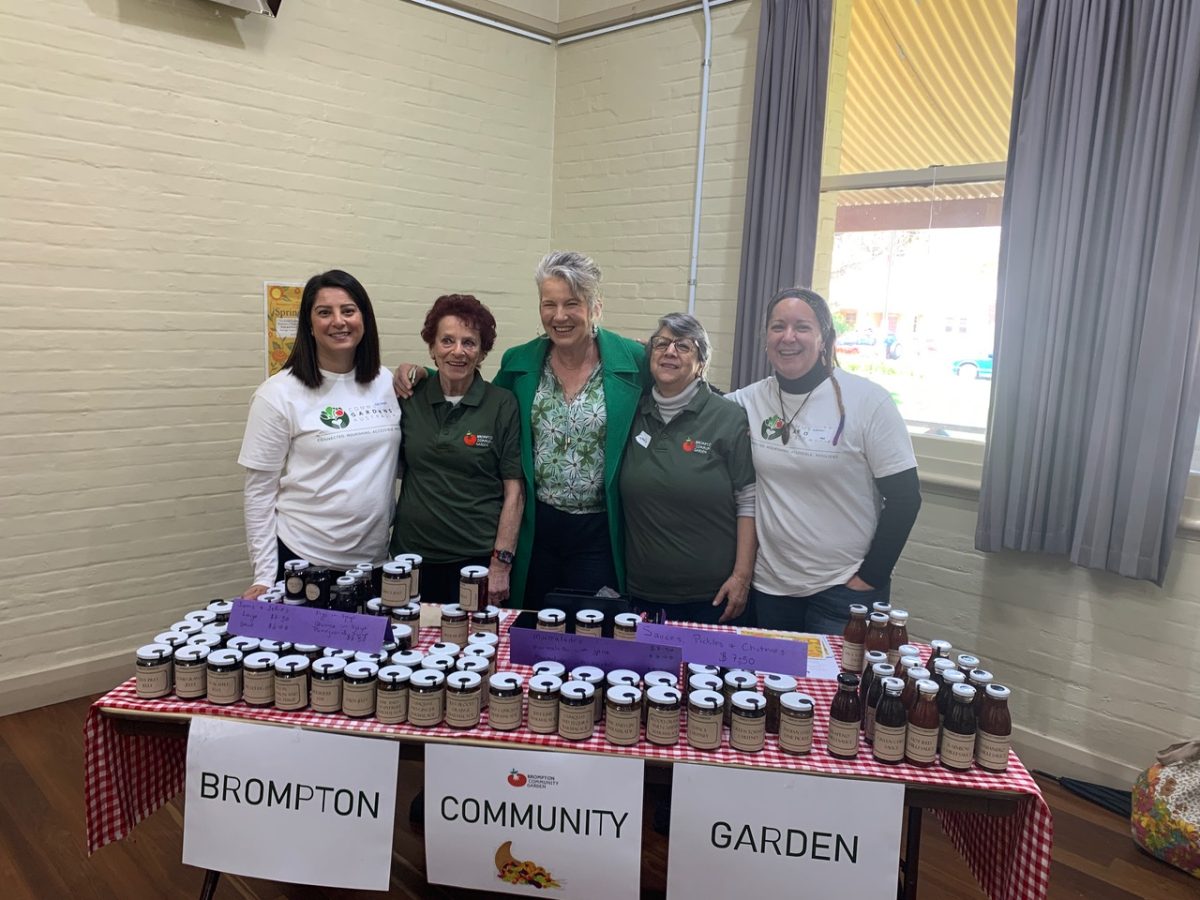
(469, 439)
(334, 417)
(772, 428)
(689, 445)
(516, 779)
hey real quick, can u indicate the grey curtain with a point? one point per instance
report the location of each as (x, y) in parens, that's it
(783, 183)
(1094, 398)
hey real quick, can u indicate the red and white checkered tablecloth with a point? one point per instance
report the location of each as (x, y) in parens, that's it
(128, 777)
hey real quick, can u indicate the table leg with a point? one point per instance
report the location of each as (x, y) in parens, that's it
(912, 853)
(211, 877)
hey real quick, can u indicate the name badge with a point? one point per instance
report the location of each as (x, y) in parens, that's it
(643, 439)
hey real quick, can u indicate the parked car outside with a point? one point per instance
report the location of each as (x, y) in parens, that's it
(973, 367)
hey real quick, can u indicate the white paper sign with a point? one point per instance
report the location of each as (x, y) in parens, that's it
(500, 820)
(739, 833)
(290, 805)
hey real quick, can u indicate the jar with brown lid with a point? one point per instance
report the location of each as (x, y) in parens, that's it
(155, 671)
(576, 720)
(464, 700)
(426, 698)
(543, 703)
(704, 718)
(504, 701)
(796, 723)
(326, 688)
(358, 689)
(623, 715)
(291, 682)
(663, 706)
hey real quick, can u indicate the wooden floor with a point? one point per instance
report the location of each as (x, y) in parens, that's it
(42, 840)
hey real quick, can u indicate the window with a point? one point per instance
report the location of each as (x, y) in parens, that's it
(915, 142)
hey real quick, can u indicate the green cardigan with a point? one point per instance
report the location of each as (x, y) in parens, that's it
(624, 370)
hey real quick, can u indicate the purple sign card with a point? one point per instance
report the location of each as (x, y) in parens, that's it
(730, 649)
(307, 625)
(528, 646)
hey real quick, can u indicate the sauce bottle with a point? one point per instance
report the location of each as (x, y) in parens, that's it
(872, 658)
(958, 732)
(920, 746)
(877, 632)
(950, 678)
(890, 723)
(854, 638)
(966, 663)
(979, 679)
(881, 606)
(941, 650)
(914, 674)
(874, 695)
(845, 716)
(995, 730)
(897, 633)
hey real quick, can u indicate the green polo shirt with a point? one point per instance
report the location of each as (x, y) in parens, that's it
(456, 459)
(677, 485)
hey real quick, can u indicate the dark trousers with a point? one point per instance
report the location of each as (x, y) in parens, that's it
(825, 612)
(439, 581)
(570, 552)
(701, 612)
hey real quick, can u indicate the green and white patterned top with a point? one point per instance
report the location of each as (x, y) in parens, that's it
(568, 443)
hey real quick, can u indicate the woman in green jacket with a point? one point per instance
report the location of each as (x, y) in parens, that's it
(577, 389)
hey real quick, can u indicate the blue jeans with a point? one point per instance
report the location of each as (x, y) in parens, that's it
(825, 612)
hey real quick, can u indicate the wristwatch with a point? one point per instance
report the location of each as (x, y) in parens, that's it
(504, 556)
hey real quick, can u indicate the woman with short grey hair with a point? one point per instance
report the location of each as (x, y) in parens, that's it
(688, 487)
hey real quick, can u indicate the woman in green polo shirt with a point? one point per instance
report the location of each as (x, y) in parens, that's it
(688, 487)
(461, 495)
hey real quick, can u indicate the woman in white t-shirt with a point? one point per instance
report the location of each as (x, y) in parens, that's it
(837, 479)
(322, 441)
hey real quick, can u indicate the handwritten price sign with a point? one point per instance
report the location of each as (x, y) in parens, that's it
(305, 625)
(729, 649)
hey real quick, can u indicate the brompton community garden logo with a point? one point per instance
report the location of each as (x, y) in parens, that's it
(334, 417)
(772, 428)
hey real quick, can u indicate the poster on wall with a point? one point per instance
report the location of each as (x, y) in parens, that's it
(282, 314)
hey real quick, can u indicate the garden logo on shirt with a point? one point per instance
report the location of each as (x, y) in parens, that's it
(773, 427)
(334, 417)
(691, 445)
(478, 440)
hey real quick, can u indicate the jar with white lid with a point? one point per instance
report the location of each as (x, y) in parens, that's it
(554, 620)
(589, 623)
(258, 678)
(775, 685)
(796, 723)
(173, 639)
(224, 677)
(623, 715)
(705, 712)
(625, 626)
(335, 653)
(380, 659)
(444, 648)
(748, 726)
(221, 609)
(576, 721)
(692, 669)
(486, 619)
(544, 692)
(154, 669)
(410, 615)
(504, 701)
(663, 705)
(186, 627)
(480, 667)
(291, 682)
(244, 645)
(595, 677)
(396, 589)
(325, 691)
(455, 624)
(191, 671)
(736, 680)
(426, 698)
(439, 661)
(486, 638)
(622, 676)
(550, 667)
(940, 649)
(464, 700)
(218, 629)
(211, 641)
(294, 572)
(411, 658)
(413, 561)
(375, 607)
(651, 679)
(279, 648)
(200, 617)
(472, 587)
(391, 699)
(358, 689)
(402, 637)
(312, 651)
(706, 682)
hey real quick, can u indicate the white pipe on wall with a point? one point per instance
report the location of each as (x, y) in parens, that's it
(706, 68)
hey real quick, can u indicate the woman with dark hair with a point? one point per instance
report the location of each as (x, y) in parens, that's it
(461, 497)
(321, 441)
(837, 479)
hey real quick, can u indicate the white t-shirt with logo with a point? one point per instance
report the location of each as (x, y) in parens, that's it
(817, 501)
(337, 447)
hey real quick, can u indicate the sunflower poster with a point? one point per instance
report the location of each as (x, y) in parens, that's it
(282, 314)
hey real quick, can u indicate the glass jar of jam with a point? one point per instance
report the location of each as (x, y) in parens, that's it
(656, 678)
(879, 672)
(796, 723)
(318, 585)
(774, 687)
(472, 587)
(244, 645)
(221, 609)
(504, 701)
(897, 633)
(485, 638)
(409, 614)
(623, 715)
(920, 746)
(484, 652)
(544, 692)
(552, 620)
(845, 716)
(444, 648)
(663, 705)
(871, 659)
(854, 639)
(358, 689)
(594, 677)
(224, 677)
(410, 658)
(402, 637)
(736, 680)
(291, 682)
(617, 677)
(211, 641)
(995, 730)
(380, 659)
(911, 677)
(426, 698)
(464, 700)
(877, 633)
(176, 639)
(704, 718)
(455, 624)
(576, 719)
(191, 669)
(957, 749)
(486, 619)
(413, 561)
(391, 694)
(440, 662)
(218, 629)
(294, 572)
(397, 585)
(279, 648)
(625, 626)
(325, 690)
(186, 627)
(589, 623)
(200, 617)
(550, 667)
(691, 669)
(479, 666)
(748, 726)
(707, 682)
(258, 677)
(155, 671)
(891, 723)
